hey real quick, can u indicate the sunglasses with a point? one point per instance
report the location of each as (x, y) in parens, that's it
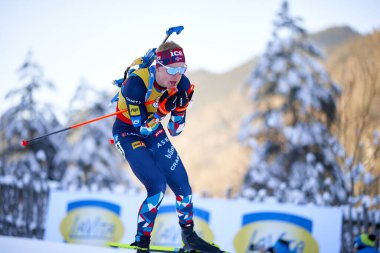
(174, 70)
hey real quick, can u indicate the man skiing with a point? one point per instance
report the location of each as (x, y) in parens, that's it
(150, 95)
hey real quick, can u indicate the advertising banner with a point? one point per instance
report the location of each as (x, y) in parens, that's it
(235, 225)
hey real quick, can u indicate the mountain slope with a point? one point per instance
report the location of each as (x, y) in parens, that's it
(332, 37)
(214, 159)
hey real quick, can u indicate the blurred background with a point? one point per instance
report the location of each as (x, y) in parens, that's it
(284, 108)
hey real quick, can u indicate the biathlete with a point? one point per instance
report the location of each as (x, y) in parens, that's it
(141, 138)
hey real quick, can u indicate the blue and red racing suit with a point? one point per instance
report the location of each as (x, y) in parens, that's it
(142, 140)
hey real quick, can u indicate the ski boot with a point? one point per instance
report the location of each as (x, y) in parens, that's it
(142, 245)
(192, 241)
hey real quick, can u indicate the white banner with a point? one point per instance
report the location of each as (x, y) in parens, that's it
(235, 225)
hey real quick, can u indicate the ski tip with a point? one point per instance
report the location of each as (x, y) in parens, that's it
(24, 143)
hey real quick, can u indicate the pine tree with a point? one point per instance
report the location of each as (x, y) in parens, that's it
(25, 172)
(295, 156)
(94, 164)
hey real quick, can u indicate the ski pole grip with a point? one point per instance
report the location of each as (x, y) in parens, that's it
(176, 29)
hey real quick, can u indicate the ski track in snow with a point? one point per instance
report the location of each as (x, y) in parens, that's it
(27, 245)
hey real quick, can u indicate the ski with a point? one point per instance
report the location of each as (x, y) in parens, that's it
(154, 248)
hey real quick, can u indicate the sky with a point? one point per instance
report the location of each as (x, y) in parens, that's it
(95, 40)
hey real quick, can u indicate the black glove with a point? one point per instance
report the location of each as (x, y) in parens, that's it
(184, 98)
(167, 103)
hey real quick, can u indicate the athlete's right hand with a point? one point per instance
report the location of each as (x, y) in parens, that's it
(167, 102)
(184, 98)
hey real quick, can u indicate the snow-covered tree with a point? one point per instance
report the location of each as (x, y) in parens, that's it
(295, 156)
(71, 160)
(24, 172)
(94, 163)
(30, 117)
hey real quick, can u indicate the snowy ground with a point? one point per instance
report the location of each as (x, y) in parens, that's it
(24, 245)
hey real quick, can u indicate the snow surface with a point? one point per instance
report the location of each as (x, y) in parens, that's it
(25, 245)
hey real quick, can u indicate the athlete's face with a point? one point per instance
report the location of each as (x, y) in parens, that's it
(167, 80)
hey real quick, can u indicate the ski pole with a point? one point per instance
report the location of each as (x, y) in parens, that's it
(24, 143)
(176, 29)
(147, 59)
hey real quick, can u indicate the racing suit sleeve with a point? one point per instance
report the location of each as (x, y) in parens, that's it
(177, 120)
